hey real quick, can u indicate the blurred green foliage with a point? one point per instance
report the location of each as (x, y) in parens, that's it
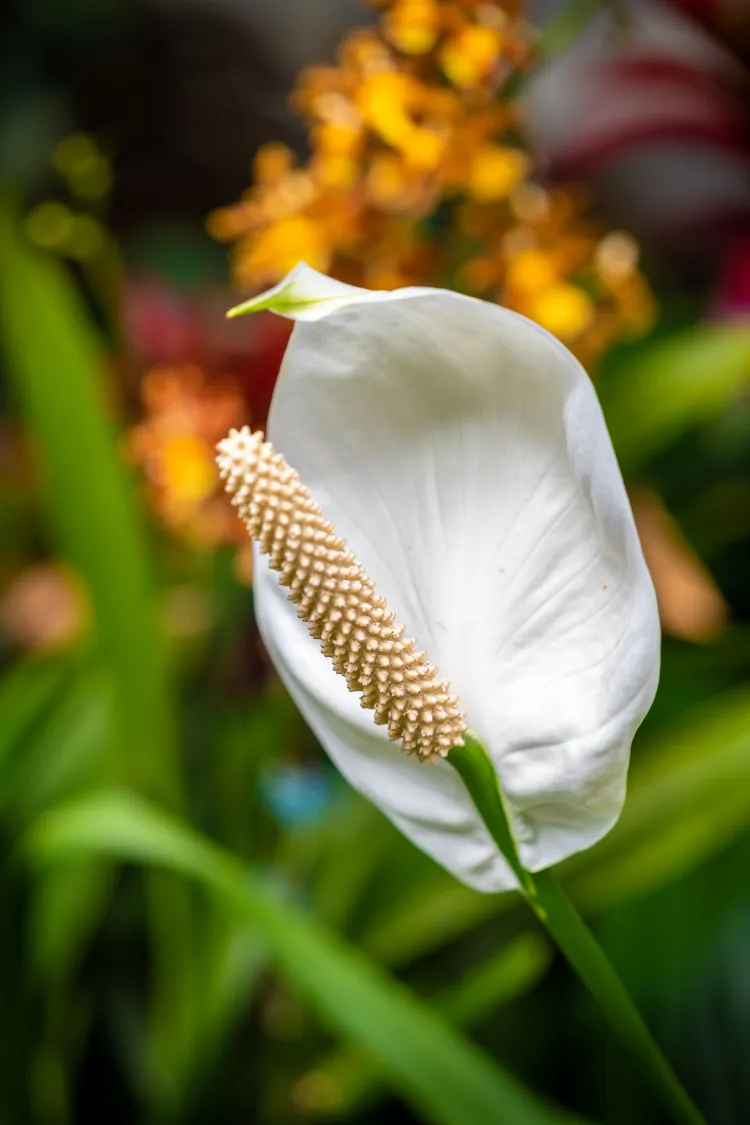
(181, 942)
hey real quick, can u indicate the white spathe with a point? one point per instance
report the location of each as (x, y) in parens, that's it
(461, 451)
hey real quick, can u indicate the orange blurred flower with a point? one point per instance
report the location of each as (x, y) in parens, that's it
(413, 26)
(174, 446)
(691, 606)
(45, 607)
(469, 58)
(419, 175)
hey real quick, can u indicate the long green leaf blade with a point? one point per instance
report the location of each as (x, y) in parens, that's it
(688, 791)
(445, 1076)
(55, 365)
(671, 386)
(349, 1079)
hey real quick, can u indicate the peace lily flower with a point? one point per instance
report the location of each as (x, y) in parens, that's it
(455, 487)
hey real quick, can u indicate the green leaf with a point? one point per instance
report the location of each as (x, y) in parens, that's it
(669, 387)
(565, 26)
(28, 692)
(66, 907)
(56, 365)
(440, 911)
(347, 1078)
(688, 799)
(445, 1076)
(510, 973)
(65, 752)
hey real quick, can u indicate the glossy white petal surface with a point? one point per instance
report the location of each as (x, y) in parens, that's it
(461, 451)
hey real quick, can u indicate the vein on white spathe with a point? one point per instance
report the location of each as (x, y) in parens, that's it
(461, 451)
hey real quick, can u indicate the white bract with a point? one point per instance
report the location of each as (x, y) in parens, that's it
(461, 452)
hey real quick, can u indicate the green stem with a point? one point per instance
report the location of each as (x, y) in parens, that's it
(571, 934)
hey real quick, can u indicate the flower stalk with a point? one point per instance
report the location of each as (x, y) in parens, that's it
(570, 933)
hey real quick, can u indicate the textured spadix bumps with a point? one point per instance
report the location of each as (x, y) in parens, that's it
(337, 599)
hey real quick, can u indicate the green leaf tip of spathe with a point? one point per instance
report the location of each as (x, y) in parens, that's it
(284, 298)
(299, 294)
(274, 302)
(281, 302)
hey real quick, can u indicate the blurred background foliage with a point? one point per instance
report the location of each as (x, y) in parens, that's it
(198, 920)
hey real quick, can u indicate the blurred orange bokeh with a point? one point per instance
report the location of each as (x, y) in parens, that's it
(420, 174)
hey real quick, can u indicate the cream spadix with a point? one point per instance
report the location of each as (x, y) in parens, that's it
(337, 600)
(460, 452)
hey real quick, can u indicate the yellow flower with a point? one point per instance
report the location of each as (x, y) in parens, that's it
(424, 149)
(469, 57)
(495, 171)
(271, 162)
(292, 193)
(413, 26)
(407, 127)
(335, 170)
(364, 52)
(173, 446)
(530, 271)
(562, 309)
(279, 247)
(337, 139)
(384, 99)
(386, 181)
(189, 474)
(227, 223)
